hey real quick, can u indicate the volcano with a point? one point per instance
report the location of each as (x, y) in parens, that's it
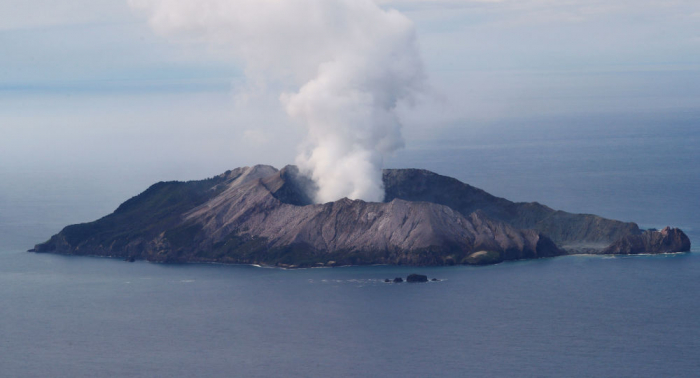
(265, 216)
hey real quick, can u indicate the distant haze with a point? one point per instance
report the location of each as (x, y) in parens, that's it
(348, 64)
(88, 88)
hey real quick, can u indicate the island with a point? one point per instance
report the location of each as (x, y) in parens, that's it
(265, 216)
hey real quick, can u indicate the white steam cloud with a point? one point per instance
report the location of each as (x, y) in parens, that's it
(350, 61)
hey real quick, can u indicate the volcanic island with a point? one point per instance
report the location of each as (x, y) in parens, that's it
(265, 216)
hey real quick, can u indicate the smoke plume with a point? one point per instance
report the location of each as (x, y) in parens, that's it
(349, 62)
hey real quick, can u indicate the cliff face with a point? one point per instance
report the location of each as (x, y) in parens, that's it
(665, 241)
(264, 216)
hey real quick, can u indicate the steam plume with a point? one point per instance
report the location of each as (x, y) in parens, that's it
(350, 61)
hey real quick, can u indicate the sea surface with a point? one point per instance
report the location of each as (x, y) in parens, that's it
(575, 316)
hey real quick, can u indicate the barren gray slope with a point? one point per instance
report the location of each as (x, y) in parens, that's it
(265, 216)
(393, 229)
(565, 229)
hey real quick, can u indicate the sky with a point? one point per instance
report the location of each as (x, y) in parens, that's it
(88, 85)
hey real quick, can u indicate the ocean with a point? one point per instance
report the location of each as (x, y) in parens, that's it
(573, 316)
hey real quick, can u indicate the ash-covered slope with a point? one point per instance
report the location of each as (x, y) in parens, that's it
(260, 215)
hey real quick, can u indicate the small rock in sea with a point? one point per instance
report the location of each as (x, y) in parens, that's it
(130, 259)
(435, 279)
(387, 280)
(416, 278)
(398, 280)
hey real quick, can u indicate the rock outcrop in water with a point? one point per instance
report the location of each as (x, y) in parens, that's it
(259, 215)
(665, 241)
(416, 278)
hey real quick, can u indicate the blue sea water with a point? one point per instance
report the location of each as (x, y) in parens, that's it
(573, 316)
(577, 316)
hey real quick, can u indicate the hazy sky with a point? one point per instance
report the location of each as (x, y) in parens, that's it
(87, 83)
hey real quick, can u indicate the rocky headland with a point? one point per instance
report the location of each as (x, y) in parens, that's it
(261, 215)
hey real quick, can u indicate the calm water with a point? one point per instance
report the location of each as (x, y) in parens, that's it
(578, 316)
